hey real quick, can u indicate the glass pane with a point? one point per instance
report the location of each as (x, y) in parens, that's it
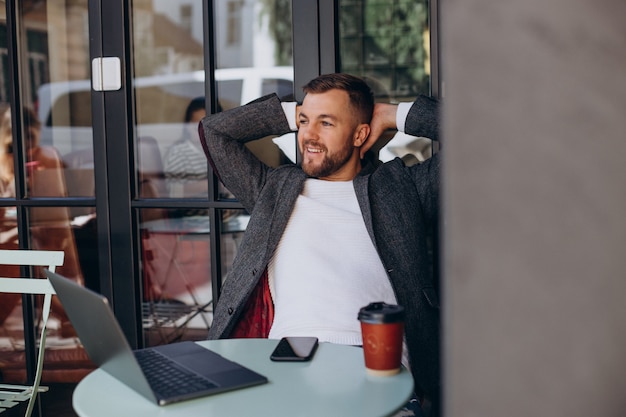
(387, 43)
(177, 296)
(8, 222)
(59, 90)
(234, 225)
(54, 135)
(51, 229)
(169, 98)
(175, 251)
(254, 58)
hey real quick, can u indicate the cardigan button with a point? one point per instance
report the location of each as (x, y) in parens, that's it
(230, 310)
(254, 272)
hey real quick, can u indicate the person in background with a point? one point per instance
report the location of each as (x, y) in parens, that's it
(37, 157)
(336, 232)
(50, 234)
(184, 164)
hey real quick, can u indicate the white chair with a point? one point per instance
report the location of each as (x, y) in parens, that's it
(11, 395)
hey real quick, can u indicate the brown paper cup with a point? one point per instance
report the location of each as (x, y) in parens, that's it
(382, 328)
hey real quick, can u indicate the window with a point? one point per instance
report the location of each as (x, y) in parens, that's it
(233, 34)
(387, 42)
(186, 12)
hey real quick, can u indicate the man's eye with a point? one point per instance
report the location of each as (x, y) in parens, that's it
(326, 123)
(302, 121)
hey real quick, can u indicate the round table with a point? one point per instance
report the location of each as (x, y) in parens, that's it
(333, 383)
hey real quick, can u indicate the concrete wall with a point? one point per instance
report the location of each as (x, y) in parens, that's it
(535, 207)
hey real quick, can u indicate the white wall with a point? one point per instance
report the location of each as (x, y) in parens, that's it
(535, 207)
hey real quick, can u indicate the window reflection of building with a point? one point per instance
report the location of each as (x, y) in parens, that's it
(37, 56)
(186, 13)
(233, 34)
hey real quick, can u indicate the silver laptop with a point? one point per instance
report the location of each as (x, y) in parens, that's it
(163, 374)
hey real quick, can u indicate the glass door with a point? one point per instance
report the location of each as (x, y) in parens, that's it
(47, 180)
(189, 225)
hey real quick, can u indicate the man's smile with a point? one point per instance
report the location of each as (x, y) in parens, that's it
(313, 148)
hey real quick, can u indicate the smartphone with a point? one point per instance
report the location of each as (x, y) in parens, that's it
(294, 349)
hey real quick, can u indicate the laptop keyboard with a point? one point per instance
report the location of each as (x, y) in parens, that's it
(168, 379)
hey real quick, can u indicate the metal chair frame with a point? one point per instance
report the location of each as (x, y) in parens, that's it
(11, 395)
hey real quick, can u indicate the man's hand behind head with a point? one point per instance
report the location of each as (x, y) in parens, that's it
(384, 118)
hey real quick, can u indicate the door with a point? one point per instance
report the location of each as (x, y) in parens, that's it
(181, 228)
(47, 172)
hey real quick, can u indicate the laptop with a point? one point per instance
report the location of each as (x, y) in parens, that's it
(183, 370)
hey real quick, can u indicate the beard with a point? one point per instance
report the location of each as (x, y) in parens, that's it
(330, 164)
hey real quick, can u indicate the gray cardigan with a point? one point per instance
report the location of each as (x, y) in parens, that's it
(399, 204)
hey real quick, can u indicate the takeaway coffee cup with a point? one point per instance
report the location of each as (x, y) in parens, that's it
(382, 328)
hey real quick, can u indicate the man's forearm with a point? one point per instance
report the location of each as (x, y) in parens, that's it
(223, 139)
(258, 119)
(423, 118)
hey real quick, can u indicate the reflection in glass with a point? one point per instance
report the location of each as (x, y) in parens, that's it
(254, 58)
(51, 229)
(175, 251)
(8, 214)
(387, 43)
(43, 163)
(169, 98)
(58, 86)
(48, 139)
(177, 295)
(234, 225)
(54, 135)
(185, 164)
(257, 62)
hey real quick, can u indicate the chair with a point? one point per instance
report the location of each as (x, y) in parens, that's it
(10, 395)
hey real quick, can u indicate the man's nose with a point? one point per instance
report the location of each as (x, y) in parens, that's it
(309, 131)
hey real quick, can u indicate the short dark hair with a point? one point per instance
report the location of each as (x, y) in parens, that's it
(361, 96)
(198, 103)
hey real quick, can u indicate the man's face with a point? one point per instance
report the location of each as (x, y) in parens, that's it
(327, 136)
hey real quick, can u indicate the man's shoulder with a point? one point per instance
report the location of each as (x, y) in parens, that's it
(373, 165)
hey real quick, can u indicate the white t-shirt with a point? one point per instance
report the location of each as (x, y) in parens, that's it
(325, 267)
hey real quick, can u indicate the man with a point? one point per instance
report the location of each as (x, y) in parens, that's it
(336, 233)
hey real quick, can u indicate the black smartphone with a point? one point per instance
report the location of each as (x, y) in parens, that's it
(294, 349)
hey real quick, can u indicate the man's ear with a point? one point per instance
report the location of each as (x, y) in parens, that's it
(361, 133)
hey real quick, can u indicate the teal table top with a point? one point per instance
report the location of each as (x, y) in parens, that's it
(333, 383)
